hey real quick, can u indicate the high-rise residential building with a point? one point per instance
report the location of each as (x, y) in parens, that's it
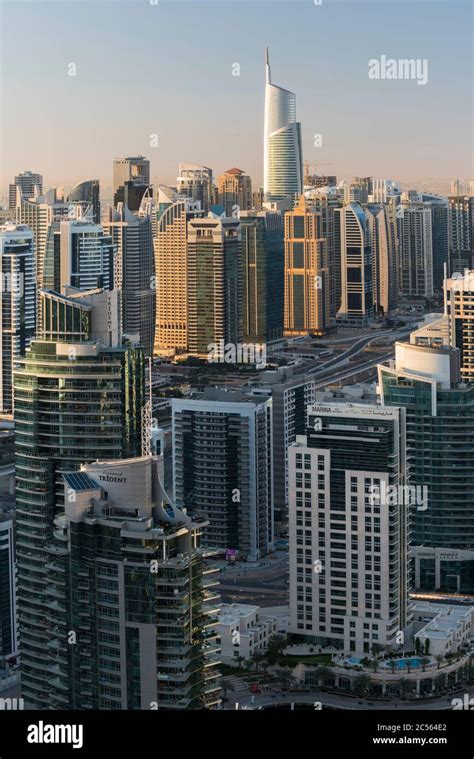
(214, 277)
(263, 263)
(87, 194)
(223, 467)
(171, 271)
(459, 310)
(416, 248)
(325, 202)
(79, 254)
(135, 169)
(424, 380)
(357, 305)
(135, 269)
(9, 644)
(349, 578)
(195, 182)
(79, 396)
(291, 397)
(382, 227)
(128, 576)
(38, 213)
(307, 284)
(461, 232)
(29, 183)
(235, 192)
(439, 236)
(456, 187)
(17, 303)
(282, 147)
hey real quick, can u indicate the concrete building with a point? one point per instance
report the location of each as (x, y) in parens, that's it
(262, 275)
(80, 255)
(223, 467)
(461, 232)
(79, 395)
(29, 182)
(242, 630)
(87, 194)
(234, 190)
(307, 284)
(214, 283)
(357, 300)
(195, 182)
(445, 629)
(424, 379)
(134, 272)
(138, 594)
(416, 248)
(291, 397)
(131, 169)
(171, 271)
(382, 224)
(17, 303)
(9, 643)
(458, 308)
(349, 577)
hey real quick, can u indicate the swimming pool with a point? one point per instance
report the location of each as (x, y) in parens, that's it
(413, 662)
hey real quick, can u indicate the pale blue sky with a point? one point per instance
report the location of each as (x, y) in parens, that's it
(167, 69)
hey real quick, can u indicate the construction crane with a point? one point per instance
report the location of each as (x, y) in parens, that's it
(307, 166)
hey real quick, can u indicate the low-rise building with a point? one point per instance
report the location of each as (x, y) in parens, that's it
(243, 630)
(447, 628)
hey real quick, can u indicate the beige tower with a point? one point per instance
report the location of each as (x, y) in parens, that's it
(235, 191)
(307, 289)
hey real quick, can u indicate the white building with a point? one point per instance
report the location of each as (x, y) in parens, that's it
(282, 150)
(348, 546)
(448, 628)
(17, 302)
(243, 630)
(416, 249)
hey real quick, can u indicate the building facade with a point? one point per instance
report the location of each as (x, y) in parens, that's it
(235, 192)
(223, 468)
(357, 303)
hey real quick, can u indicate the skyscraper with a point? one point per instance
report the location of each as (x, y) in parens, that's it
(282, 147)
(222, 467)
(235, 192)
(135, 266)
(357, 305)
(458, 307)
(263, 262)
(382, 225)
(78, 253)
(28, 181)
(439, 237)
(134, 169)
(87, 194)
(307, 286)
(195, 182)
(214, 280)
(9, 644)
(79, 394)
(461, 232)
(139, 595)
(349, 577)
(171, 270)
(17, 303)
(416, 249)
(424, 379)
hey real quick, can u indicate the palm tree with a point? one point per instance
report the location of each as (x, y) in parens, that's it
(226, 686)
(239, 660)
(257, 658)
(374, 663)
(377, 649)
(439, 659)
(324, 674)
(424, 662)
(275, 646)
(362, 684)
(284, 677)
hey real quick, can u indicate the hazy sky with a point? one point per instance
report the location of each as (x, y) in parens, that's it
(166, 69)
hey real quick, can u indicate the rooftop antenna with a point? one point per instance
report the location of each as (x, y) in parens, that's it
(268, 75)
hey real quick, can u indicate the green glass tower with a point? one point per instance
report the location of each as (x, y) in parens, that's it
(79, 394)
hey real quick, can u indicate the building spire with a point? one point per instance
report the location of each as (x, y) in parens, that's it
(267, 67)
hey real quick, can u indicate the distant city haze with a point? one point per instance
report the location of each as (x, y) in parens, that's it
(167, 73)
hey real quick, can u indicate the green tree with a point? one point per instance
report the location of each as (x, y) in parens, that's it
(424, 662)
(257, 659)
(439, 659)
(324, 674)
(285, 677)
(427, 646)
(361, 684)
(276, 644)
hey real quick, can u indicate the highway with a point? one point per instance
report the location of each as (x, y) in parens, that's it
(355, 349)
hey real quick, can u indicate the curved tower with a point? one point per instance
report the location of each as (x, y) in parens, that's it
(282, 152)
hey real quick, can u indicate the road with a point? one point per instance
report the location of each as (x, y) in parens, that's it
(355, 349)
(335, 701)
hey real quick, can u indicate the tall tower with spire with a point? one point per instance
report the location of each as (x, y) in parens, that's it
(282, 151)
